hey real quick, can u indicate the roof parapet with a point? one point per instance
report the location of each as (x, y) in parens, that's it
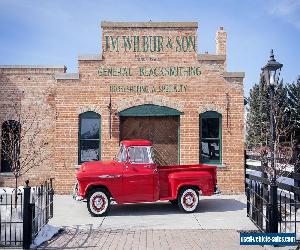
(66, 76)
(210, 57)
(234, 74)
(90, 57)
(150, 24)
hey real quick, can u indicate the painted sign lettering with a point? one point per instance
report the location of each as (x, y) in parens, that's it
(149, 71)
(157, 44)
(164, 88)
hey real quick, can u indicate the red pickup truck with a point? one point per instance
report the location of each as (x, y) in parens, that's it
(134, 177)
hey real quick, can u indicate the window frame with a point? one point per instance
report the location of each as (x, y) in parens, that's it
(6, 124)
(205, 115)
(88, 115)
(141, 163)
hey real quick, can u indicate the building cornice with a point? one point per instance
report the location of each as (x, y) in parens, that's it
(234, 74)
(90, 57)
(210, 57)
(66, 76)
(32, 67)
(150, 24)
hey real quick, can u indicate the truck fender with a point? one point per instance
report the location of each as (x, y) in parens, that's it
(200, 180)
(92, 185)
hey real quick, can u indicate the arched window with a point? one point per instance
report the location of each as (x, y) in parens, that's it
(89, 137)
(10, 144)
(211, 137)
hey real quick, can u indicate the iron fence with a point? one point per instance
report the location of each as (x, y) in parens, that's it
(11, 217)
(42, 206)
(23, 212)
(272, 207)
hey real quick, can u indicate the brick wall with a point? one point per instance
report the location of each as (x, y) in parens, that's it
(214, 90)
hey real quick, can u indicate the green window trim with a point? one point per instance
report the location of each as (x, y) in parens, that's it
(205, 115)
(88, 115)
(150, 110)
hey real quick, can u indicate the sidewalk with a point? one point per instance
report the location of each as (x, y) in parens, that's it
(160, 239)
(160, 225)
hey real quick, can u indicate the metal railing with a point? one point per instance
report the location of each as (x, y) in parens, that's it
(23, 212)
(11, 217)
(272, 207)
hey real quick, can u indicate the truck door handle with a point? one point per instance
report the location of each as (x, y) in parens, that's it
(147, 167)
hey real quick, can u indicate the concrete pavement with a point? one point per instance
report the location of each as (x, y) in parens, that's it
(159, 225)
(215, 212)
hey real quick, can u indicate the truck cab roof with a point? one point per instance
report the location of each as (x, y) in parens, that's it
(136, 142)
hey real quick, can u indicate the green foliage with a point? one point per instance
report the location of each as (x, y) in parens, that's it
(258, 119)
(293, 91)
(286, 113)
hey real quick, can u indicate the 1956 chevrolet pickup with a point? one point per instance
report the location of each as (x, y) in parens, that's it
(133, 177)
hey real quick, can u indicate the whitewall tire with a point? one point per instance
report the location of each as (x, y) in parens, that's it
(188, 200)
(98, 202)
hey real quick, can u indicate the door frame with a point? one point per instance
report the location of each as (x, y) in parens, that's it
(157, 111)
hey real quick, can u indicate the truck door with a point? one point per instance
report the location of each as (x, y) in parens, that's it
(138, 175)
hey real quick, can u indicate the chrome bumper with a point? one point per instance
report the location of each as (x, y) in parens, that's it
(217, 190)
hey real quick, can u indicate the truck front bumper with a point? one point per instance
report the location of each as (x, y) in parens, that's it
(217, 190)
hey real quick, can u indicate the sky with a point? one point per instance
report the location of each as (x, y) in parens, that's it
(55, 32)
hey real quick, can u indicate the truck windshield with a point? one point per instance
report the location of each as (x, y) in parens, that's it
(122, 154)
(140, 154)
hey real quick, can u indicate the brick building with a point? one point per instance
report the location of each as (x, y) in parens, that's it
(148, 82)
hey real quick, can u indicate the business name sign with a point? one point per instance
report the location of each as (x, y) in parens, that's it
(170, 71)
(153, 43)
(164, 88)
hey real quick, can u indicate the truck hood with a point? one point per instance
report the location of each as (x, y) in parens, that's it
(98, 166)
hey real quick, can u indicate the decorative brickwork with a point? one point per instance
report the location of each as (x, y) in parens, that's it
(148, 99)
(87, 108)
(210, 107)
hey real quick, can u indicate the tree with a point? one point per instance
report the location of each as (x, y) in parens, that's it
(293, 91)
(25, 141)
(258, 126)
(258, 119)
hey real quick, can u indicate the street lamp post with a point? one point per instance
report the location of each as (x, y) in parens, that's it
(270, 73)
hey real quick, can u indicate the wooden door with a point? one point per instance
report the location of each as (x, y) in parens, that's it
(161, 130)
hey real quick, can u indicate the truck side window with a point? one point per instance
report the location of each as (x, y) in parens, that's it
(140, 154)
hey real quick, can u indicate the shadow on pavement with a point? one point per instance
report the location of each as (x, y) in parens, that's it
(67, 238)
(164, 208)
(220, 205)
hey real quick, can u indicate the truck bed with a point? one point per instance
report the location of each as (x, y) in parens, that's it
(165, 191)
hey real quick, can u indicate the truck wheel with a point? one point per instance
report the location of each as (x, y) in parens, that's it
(188, 200)
(98, 202)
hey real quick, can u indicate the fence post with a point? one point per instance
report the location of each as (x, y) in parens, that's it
(27, 217)
(245, 169)
(47, 201)
(273, 211)
(51, 198)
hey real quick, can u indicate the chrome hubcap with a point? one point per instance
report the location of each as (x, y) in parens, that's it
(98, 202)
(189, 200)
